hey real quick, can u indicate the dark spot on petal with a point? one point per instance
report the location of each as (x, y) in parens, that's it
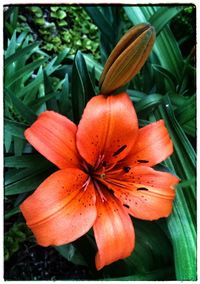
(104, 163)
(125, 205)
(119, 150)
(142, 161)
(142, 188)
(126, 169)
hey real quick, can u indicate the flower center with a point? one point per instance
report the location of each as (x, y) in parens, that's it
(102, 172)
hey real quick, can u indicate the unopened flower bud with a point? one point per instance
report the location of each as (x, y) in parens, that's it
(127, 58)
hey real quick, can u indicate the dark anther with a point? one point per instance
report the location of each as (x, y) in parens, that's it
(119, 150)
(126, 169)
(111, 191)
(142, 188)
(104, 163)
(125, 205)
(142, 161)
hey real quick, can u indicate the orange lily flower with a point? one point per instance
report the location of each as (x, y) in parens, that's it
(104, 175)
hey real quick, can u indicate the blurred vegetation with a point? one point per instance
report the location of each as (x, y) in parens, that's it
(183, 28)
(58, 27)
(13, 239)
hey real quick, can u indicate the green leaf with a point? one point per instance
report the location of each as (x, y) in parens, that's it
(24, 71)
(152, 251)
(72, 254)
(19, 144)
(28, 183)
(52, 66)
(148, 102)
(91, 63)
(171, 80)
(61, 14)
(51, 101)
(182, 223)
(62, 55)
(22, 109)
(65, 106)
(101, 21)
(12, 45)
(20, 53)
(25, 161)
(163, 16)
(11, 212)
(186, 115)
(166, 47)
(15, 128)
(30, 89)
(7, 141)
(160, 274)
(82, 89)
(46, 99)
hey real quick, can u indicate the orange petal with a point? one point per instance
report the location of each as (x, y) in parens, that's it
(108, 129)
(53, 135)
(152, 147)
(61, 209)
(149, 194)
(113, 230)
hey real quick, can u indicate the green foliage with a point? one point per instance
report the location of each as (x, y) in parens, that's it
(164, 89)
(58, 28)
(17, 234)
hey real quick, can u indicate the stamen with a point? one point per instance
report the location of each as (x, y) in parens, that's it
(85, 185)
(117, 183)
(110, 167)
(103, 198)
(126, 169)
(104, 163)
(85, 165)
(102, 175)
(99, 161)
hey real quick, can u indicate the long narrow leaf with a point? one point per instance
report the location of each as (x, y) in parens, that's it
(23, 110)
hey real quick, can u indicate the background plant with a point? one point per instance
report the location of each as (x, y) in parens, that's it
(39, 76)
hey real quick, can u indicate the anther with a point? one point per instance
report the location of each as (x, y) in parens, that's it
(143, 161)
(119, 150)
(126, 169)
(142, 188)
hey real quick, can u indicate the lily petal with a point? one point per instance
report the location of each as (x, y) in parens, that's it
(108, 129)
(113, 230)
(148, 194)
(62, 208)
(152, 147)
(53, 135)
